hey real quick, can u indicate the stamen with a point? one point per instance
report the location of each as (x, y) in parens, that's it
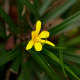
(39, 40)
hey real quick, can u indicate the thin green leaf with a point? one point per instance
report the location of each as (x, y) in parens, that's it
(31, 8)
(50, 54)
(44, 64)
(67, 55)
(8, 56)
(3, 52)
(8, 20)
(70, 56)
(20, 77)
(36, 3)
(44, 6)
(73, 68)
(26, 67)
(20, 9)
(65, 24)
(74, 41)
(26, 72)
(61, 9)
(69, 70)
(61, 52)
(21, 16)
(16, 62)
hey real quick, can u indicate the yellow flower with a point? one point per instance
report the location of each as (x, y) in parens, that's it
(36, 38)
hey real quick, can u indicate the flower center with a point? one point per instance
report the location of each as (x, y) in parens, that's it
(36, 39)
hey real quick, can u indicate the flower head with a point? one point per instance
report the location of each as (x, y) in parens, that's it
(37, 40)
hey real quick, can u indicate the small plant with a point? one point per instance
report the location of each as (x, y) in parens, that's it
(36, 38)
(50, 54)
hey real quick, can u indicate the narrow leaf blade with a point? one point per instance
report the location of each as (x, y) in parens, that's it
(31, 8)
(44, 6)
(50, 54)
(65, 24)
(16, 62)
(8, 56)
(61, 52)
(61, 9)
(8, 20)
(44, 64)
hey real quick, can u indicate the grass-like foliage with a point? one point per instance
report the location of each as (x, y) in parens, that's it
(23, 50)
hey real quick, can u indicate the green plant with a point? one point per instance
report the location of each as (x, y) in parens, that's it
(52, 63)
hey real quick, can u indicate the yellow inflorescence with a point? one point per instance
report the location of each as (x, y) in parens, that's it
(36, 38)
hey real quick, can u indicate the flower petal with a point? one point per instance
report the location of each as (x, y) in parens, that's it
(29, 45)
(44, 34)
(47, 42)
(38, 46)
(33, 34)
(38, 27)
